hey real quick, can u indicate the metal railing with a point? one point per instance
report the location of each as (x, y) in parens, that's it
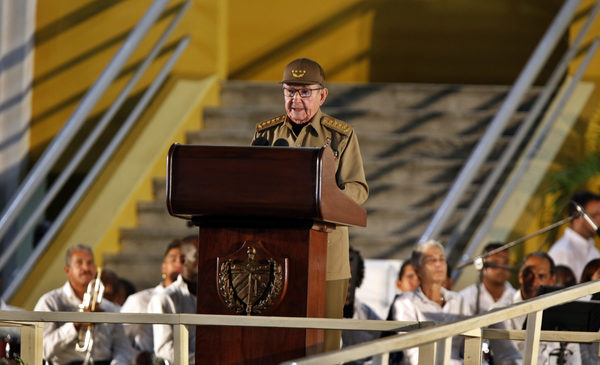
(418, 334)
(502, 118)
(473, 328)
(61, 141)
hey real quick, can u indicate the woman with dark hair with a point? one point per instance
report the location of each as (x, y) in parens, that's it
(591, 271)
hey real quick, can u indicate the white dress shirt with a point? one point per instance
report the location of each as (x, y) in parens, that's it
(504, 351)
(176, 298)
(574, 251)
(415, 306)
(110, 341)
(140, 334)
(486, 301)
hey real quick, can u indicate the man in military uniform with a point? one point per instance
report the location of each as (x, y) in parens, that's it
(305, 125)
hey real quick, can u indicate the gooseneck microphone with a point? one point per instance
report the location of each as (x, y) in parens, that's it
(280, 142)
(586, 216)
(260, 141)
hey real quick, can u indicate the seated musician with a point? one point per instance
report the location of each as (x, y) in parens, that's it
(110, 344)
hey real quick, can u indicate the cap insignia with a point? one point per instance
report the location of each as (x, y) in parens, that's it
(298, 73)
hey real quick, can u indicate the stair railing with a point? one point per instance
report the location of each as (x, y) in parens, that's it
(516, 141)
(529, 154)
(40, 171)
(501, 119)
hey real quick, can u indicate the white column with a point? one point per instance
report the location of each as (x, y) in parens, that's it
(17, 22)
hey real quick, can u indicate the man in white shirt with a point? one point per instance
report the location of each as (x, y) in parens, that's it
(110, 344)
(179, 297)
(493, 291)
(141, 334)
(577, 247)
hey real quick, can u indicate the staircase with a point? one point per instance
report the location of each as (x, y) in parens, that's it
(414, 139)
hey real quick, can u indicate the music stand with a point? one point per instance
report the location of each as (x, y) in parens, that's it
(579, 316)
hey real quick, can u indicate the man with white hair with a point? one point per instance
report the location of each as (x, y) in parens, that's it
(430, 301)
(305, 125)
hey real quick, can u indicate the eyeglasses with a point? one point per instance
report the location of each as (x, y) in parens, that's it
(304, 93)
(433, 259)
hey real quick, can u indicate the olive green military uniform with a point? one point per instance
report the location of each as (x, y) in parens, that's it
(325, 130)
(322, 130)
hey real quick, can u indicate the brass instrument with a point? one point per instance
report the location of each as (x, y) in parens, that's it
(91, 298)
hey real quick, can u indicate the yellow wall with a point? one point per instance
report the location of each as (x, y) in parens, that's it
(76, 39)
(459, 41)
(593, 71)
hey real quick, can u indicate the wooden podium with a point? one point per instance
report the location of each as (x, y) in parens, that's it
(263, 214)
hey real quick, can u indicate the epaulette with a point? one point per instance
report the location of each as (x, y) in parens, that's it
(336, 125)
(269, 123)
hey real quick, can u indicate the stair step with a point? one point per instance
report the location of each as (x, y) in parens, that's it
(409, 195)
(155, 214)
(438, 145)
(401, 169)
(380, 95)
(362, 119)
(152, 239)
(142, 270)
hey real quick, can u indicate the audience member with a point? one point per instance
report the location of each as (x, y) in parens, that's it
(493, 291)
(354, 307)
(110, 344)
(408, 280)
(430, 301)
(179, 297)
(112, 286)
(564, 276)
(539, 270)
(589, 351)
(407, 277)
(141, 334)
(591, 271)
(127, 289)
(576, 247)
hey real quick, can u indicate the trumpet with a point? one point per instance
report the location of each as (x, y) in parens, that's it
(91, 298)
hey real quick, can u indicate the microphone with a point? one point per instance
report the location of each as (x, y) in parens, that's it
(585, 216)
(280, 142)
(260, 141)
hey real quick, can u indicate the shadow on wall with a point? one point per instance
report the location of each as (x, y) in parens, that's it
(468, 41)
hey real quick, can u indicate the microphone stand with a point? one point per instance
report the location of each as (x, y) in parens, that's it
(478, 260)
